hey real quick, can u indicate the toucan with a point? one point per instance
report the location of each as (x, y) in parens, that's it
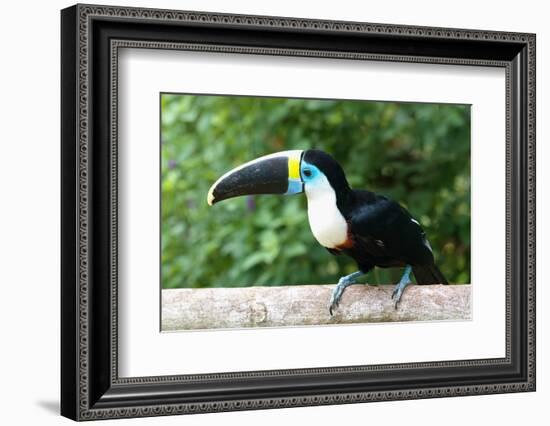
(370, 228)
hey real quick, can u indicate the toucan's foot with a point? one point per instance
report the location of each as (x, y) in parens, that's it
(398, 292)
(401, 285)
(338, 291)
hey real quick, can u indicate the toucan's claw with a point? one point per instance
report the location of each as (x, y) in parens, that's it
(401, 286)
(336, 296)
(397, 293)
(338, 291)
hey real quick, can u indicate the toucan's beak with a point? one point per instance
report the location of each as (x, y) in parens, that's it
(277, 173)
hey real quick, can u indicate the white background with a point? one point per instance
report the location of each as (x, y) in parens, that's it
(141, 345)
(29, 225)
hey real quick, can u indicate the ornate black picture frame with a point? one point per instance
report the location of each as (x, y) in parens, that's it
(90, 38)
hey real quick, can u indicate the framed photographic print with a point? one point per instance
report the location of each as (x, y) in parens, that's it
(263, 212)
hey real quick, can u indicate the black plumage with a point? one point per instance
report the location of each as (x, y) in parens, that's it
(381, 232)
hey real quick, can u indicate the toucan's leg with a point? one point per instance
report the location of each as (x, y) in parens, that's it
(401, 285)
(340, 287)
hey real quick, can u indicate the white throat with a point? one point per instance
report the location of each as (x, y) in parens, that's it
(327, 224)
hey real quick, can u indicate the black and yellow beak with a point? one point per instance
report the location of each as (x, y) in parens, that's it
(277, 173)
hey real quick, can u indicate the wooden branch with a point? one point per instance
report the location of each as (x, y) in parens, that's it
(191, 309)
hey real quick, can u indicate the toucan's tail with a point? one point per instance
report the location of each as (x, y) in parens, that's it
(429, 274)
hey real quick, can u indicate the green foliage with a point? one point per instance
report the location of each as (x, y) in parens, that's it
(417, 154)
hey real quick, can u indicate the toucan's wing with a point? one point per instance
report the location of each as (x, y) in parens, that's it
(387, 229)
(369, 243)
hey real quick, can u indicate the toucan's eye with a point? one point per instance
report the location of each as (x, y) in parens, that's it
(307, 172)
